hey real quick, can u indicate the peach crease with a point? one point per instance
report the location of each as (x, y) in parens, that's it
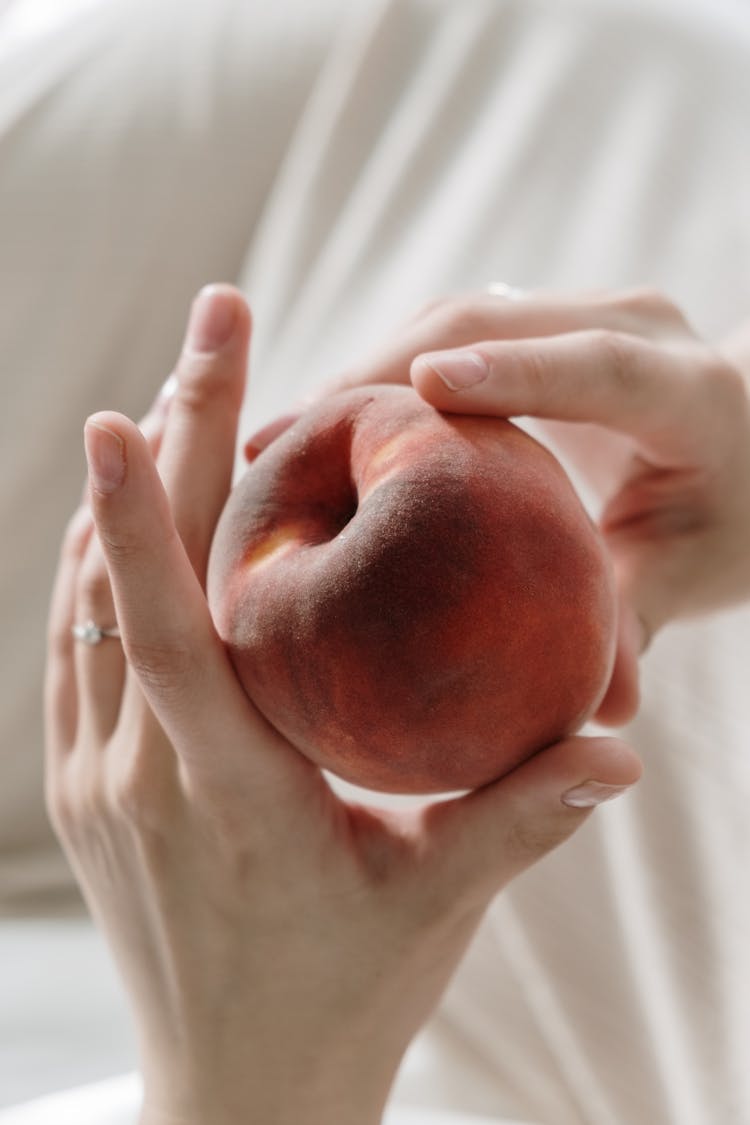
(281, 541)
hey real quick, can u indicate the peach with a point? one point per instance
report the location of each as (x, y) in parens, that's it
(417, 601)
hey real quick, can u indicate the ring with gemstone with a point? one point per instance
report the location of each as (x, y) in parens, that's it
(508, 292)
(92, 634)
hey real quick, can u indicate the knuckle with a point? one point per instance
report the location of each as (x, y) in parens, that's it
(527, 840)
(618, 358)
(127, 784)
(165, 668)
(94, 590)
(465, 319)
(430, 309)
(89, 803)
(142, 797)
(75, 803)
(121, 545)
(134, 794)
(724, 382)
(204, 382)
(59, 809)
(646, 302)
(647, 298)
(196, 390)
(538, 374)
(76, 535)
(458, 319)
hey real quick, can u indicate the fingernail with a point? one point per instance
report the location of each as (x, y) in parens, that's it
(250, 452)
(458, 370)
(105, 454)
(592, 793)
(212, 319)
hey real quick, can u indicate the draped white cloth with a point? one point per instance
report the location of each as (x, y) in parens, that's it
(346, 163)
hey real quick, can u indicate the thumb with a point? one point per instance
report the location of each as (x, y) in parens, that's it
(489, 836)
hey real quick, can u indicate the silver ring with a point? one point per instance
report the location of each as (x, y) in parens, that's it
(508, 292)
(91, 634)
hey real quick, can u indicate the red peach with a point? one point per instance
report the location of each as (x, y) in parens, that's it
(417, 601)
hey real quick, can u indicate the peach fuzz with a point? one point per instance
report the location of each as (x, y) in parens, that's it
(417, 601)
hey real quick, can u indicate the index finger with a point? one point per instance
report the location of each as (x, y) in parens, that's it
(462, 321)
(502, 313)
(197, 453)
(165, 623)
(653, 393)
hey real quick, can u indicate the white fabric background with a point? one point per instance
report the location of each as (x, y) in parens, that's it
(138, 143)
(442, 145)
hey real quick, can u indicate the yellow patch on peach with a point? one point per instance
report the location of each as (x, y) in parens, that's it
(381, 467)
(280, 542)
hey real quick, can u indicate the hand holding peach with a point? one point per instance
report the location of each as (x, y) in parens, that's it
(655, 420)
(215, 857)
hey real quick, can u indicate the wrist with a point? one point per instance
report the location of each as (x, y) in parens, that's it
(283, 1097)
(250, 1112)
(298, 1076)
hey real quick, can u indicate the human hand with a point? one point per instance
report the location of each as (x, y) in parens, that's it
(280, 947)
(655, 419)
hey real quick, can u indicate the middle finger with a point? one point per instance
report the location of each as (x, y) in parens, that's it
(457, 322)
(197, 455)
(196, 458)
